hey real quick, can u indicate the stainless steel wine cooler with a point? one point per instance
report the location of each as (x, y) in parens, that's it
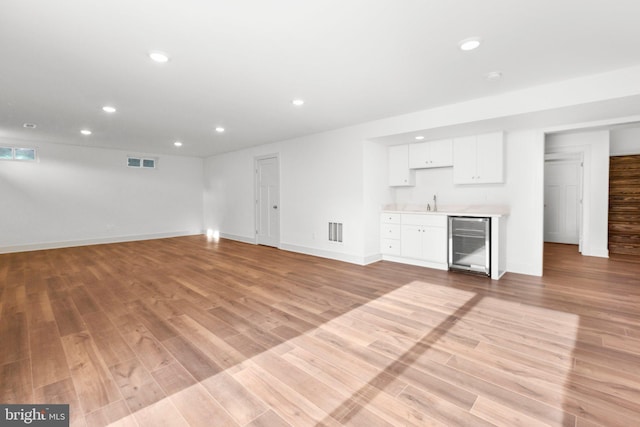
(470, 244)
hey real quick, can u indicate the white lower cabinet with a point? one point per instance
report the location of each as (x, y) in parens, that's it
(422, 239)
(390, 234)
(390, 246)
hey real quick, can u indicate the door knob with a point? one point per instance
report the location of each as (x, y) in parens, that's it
(275, 206)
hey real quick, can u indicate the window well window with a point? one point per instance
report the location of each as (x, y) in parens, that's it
(17, 153)
(141, 162)
(133, 162)
(6, 153)
(24, 153)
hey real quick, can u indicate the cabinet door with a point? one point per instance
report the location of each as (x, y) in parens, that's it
(390, 231)
(419, 156)
(434, 244)
(411, 241)
(390, 247)
(441, 153)
(490, 166)
(399, 173)
(464, 160)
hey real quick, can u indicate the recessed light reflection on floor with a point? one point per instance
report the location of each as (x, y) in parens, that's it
(213, 235)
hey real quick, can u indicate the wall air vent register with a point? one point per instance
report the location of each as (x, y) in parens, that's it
(335, 232)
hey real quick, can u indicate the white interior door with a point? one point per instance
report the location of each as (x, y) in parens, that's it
(563, 200)
(268, 201)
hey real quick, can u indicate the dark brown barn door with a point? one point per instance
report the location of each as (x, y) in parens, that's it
(624, 205)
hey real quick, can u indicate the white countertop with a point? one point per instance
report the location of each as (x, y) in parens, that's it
(450, 210)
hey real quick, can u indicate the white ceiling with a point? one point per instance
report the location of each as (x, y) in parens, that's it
(238, 64)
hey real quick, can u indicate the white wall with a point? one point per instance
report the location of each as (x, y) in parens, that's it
(376, 194)
(229, 195)
(594, 146)
(80, 195)
(625, 141)
(321, 180)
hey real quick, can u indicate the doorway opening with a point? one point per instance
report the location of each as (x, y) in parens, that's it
(563, 201)
(624, 205)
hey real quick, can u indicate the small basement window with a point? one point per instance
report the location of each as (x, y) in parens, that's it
(133, 162)
(6, 153)
(24, 154)
(141, 162)
(15, 153)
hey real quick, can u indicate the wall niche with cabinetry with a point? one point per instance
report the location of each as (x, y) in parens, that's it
(476, 159)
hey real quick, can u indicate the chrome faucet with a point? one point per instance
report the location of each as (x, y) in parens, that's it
(435, 207)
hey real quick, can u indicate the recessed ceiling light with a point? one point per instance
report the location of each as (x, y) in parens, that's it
(29, 125)
(158, 56)
(298, 102)
(85, 132)
(493, 76)
(419, 137)
(108, 109)
(469, 44)
(178, 144)
(219, 129)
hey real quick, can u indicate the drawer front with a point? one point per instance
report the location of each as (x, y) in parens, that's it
(390, 218)
(390, 246)
(390, 231)
(432, 220)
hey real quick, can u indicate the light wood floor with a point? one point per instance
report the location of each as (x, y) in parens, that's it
(185, 332)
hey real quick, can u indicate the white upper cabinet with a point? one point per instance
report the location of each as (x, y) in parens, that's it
(399, 172)
(479, 159)
(490, 157)
(464, 160)
(431, 154)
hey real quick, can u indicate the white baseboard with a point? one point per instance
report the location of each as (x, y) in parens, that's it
(338, 256)
(416, 262)
(522, 268)
(600, 253)
(96, 241)
(238, 238)
(370, 259)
